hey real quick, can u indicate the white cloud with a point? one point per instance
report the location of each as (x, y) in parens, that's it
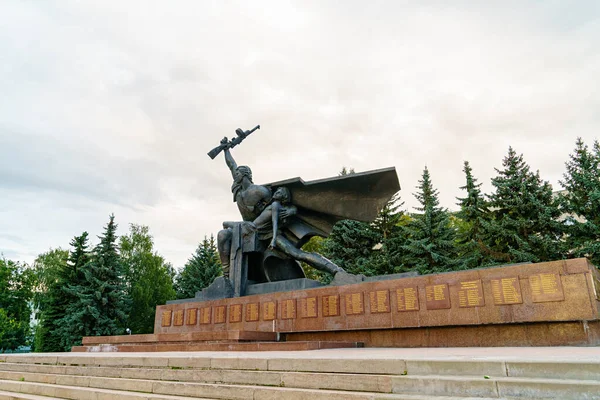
(111, 106)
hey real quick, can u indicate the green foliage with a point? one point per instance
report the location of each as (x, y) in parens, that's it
(200, 270)
(53, 275)
(148, 278)
(100, 307)
(314, 245)
(524, 226)
(581, 202)
(430, 245)
(469, 223)
(350, 246)
(16, 283)
(387, 257)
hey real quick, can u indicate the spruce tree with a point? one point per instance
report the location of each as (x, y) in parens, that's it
(524, 226)
(581, 202)
(387, 258)
(200, 270)
(473, 213)
(430, 246)
(100, 306)
(350, 246)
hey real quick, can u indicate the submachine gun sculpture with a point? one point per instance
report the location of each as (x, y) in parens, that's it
(225, 144)
(280, 217)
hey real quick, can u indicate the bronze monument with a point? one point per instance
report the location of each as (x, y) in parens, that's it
(279, 218)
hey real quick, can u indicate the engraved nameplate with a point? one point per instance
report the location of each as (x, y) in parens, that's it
(546, 287)
(220, 314)
(380, 301)
(251, 312)
(288, 309)
(408, 298)
(235, 313)
(269, 311)
(308, 307)
(178, 318)
(354, 303)
(470, 294)
(330, 305)
(205, 315)
(191, 316)
(166, 318)
(506, 291)
(437, 296)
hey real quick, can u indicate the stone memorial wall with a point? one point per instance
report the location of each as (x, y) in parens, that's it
(551, 292)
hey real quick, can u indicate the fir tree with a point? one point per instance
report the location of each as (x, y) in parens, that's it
(386, 223)
(72, 276)
(524, 226)
(473, 213)
(100, 307)
(430, 245)
(581, 202)
(387, 258)
(200, 270)
(350, 246)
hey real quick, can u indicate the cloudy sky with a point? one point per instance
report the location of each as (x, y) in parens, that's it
(110, 106)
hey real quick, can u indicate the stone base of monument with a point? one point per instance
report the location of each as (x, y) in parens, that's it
(204, 341)
(550, 303)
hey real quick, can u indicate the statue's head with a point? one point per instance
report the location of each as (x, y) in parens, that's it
(282, 194)
(241, 172)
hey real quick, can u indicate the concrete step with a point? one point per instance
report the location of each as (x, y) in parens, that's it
(42, 391)
(22, 396)
(183, 337)
(215, 346)
(238, 384)
(322, 374)
(584, 370)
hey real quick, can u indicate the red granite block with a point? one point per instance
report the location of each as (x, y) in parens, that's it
(502, 335)
(575, 306)
(455, 336)
(577, 265)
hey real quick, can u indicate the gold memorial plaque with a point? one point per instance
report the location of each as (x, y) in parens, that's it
(269, 311)
(288, 308)
(355, 303)
(470, 294)
(546, 287)
(380, 301)
(596, 286)
(408, 298)
(251, 312)
(235, 313)
(191, 316)
(166, 318)
(220, 314)
(437, 297)
(178, 318)
(506, 291)
(205, 315)
(330, 305)
(308, 307)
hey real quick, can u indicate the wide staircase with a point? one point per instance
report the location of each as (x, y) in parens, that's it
(338, 374)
